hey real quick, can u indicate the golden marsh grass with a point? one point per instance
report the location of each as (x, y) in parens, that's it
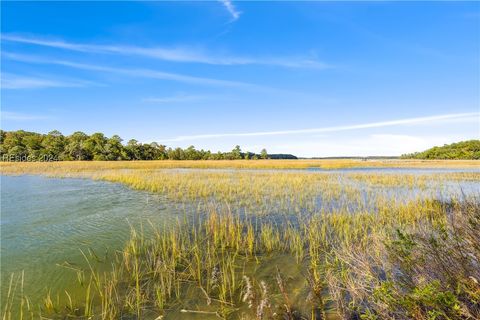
(269, 244)
(85, 166)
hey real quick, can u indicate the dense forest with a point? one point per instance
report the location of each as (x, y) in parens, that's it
(30, 146)
(467, 150)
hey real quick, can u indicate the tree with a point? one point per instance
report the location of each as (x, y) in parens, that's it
(11, 140)
(207, 155)
(114, 149)
(158, 151)
(461, 150)
(176, 154)
(237, 153)
(147, 152)
(96, 145)
(33, 145)
(75, 147)
(79, 146)
(133, 150)
(264, 154)
(54, 144)
(218, 156)
(192, 154)
(18, 152)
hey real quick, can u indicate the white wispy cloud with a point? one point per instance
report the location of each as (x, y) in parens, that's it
(365, 145)
(16, 116)
(179, 54)
(141, 73)
(467, 117)
(13, 81)
(231, 9)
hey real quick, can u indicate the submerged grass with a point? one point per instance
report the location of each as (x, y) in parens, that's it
(402, 264)
(279, 245)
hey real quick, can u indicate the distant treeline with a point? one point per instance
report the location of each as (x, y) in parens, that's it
(30, 146)
(465, 150)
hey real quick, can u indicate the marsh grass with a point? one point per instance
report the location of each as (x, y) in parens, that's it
(427, 272)
(89, 166)
(322, 265)
(278, 245)
(17, 304)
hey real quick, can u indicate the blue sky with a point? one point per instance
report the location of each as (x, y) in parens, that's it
(308, 78)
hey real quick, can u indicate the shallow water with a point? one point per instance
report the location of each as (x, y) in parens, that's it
(396, 170)
(380, 170)
(45, 223)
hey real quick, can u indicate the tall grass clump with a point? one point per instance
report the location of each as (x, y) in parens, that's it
(428, 272)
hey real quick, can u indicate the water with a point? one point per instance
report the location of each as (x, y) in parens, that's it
(394, 170)
(45, 223)
(365, 170)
